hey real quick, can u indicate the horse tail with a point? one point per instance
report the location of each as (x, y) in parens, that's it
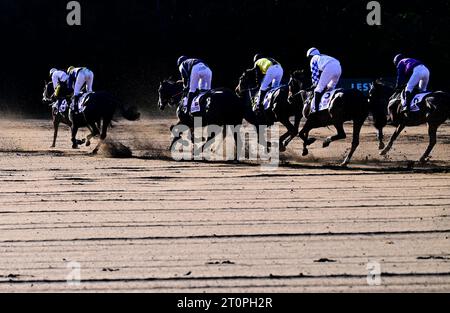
(131, 113)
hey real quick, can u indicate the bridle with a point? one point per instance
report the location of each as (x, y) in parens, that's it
(246, 90)
(171, 99)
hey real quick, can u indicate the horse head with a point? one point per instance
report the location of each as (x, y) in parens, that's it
(170, 94)
(47, 93)
(247, 83)
(298, 85)
(382, 93)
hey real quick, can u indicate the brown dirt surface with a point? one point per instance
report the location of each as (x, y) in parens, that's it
(134, 220)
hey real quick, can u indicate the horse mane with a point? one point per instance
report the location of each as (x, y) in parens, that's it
(299, 74)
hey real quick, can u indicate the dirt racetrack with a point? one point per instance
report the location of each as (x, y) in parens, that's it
(150, 224)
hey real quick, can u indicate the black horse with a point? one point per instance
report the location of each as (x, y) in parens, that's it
(100, 108)
(219, 107)
(345, 105)
(57, 117)
(434, 111)
(280, 109)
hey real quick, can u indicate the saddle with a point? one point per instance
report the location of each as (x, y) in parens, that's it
(196, 102)
(268, 99)
(325, 102)
(415, 105)
(196, 105)
(82, 102)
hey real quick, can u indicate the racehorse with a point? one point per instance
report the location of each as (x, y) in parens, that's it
(434, 111)
(345, 105)
(57, 116)
(99, 108)
(219, 107)
(280, 109)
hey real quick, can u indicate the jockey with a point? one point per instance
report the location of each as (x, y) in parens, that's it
(414, 74)
(58, 77)
(78, 77)
(326, 72)
(269, 74)
(196, 76)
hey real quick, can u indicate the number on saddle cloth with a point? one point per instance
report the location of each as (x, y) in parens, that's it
(196, 102)
(325, 102)
(415, 102)
(268, 98)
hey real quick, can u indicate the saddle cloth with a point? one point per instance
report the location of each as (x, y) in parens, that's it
(325, 102)
(62, 106)
(415, 101)
(81, 102)
(195, 107)
(268, 98)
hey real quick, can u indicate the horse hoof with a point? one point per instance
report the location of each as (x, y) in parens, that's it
(74, 146)
(326, 144)
(81, 142)
(423, 161)
(95, 152)
(282, 148)
(305, 152)
(384, 152)
(88, 143)
(381, 146)
(344, 164)
(52, 146)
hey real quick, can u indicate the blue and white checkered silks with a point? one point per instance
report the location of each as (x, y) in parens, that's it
(315, 73)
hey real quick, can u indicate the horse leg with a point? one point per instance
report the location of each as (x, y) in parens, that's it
(74, 136)
(283, 139)
(340, 135)
(394, 137)
(432, 130)
(209, 142)
(304, 133)
(286, 138)
(56, 122)
(237, 144)
(94, 132)
(103, 135)
(357, 125)
(380, 137)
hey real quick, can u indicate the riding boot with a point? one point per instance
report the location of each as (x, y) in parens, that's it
(317, 100)
(408, 100)
(262, 96)
(190, 98)
(76, 100)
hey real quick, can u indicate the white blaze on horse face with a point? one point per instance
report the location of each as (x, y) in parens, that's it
(74, 16)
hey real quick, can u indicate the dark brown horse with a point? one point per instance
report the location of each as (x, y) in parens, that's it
(219, 107)
(345, 105)
(57, 117)
(280, 109)
(100, 108)
(434, 111)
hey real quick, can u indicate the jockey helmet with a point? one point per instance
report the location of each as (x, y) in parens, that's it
(312, 52)
(70, 69)
(53, 70)
(257, 57)
(181, 60)
(398, 58)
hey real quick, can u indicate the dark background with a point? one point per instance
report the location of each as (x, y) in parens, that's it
(131, 44)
